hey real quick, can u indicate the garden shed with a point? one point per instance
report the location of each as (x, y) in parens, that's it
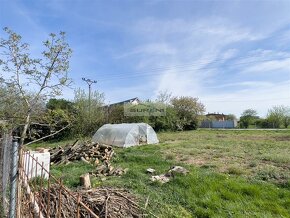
(126, 134)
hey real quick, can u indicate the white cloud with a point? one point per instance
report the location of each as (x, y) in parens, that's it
(269, 66)
(260, 98)
(150, 49)
(204, 42)
(252, 84)
(212, 26)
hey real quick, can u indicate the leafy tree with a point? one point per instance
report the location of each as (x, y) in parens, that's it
(231, 117)
(54, 104)
(58, 119)
(182, 113)
(248, 117)
(59, 114)
(165, 123)
(115, 114)
(188, 110)
(286, 121)
(46, 75)
(279, 116)
(263, 123)
(88, 121)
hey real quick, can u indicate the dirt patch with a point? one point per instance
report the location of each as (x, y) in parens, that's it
(196, 161)
(222, 136)
(172, 141)
(282, 138)
(257, 137)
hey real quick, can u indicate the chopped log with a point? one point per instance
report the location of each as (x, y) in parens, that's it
(85, 181)
(80, 151)
(97, 154)
(75, 145)
(97, 161)
(84, 160)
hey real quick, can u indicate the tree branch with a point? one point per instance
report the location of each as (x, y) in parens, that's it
(43, 86)
(37, 140)
(14, 55)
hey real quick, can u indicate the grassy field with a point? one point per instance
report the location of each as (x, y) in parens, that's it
(232, 173)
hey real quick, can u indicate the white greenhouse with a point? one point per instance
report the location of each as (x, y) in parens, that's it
(126, 134)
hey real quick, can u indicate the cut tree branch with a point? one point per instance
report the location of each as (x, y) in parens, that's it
(37, 140)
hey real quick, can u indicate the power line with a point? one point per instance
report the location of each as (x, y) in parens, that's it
(153, 73)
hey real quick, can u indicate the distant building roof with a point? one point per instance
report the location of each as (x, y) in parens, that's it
(132, 100)
(217, 116)
(221, 116)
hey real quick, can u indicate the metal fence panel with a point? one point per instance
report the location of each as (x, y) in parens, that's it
(226, 124)
(223, 124)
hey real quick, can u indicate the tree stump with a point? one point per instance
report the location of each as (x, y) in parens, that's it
(85, 181)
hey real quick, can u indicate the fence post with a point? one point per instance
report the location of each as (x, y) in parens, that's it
(14, 172)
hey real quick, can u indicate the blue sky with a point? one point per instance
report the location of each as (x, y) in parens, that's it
(233, 55)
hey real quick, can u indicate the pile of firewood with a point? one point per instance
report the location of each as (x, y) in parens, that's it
(87, 151)
(104, 202)
(91, 153)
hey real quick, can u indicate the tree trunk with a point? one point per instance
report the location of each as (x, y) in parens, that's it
(20, 161)
(26, 125)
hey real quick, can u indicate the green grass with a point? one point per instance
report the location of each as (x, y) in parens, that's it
(232, 174)
(245, 152)
(50, 144)
(70, 173)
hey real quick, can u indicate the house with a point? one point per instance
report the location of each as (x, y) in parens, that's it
(218, 121)
(133, 101)
(217, 116)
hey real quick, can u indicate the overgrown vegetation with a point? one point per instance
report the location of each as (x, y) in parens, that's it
(232, 173)
(278, 117)
(85, 116)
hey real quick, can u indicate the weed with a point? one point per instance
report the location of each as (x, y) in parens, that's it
(253, 164)
(235, 170)
(169, 156)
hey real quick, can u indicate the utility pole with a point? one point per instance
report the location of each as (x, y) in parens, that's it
(108, 111)
(89, 82)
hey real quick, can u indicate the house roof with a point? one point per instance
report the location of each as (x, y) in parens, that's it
(215, 114)
(126, 101)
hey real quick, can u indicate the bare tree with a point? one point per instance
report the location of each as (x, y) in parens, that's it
(31, 79)
(164, 97)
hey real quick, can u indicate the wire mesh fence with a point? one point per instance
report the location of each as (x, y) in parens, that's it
(43, 195)
(39, 194)
(5, 169)
(29, 190)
